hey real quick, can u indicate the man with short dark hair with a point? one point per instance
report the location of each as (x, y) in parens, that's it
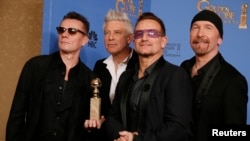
(53, 93)
(153, 100)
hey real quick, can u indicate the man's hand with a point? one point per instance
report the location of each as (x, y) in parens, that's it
(126, 136)
(93, 124)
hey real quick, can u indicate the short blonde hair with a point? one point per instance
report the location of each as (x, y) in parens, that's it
(114, 15)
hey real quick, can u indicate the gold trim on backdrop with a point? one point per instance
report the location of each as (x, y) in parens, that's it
(129, 7)
(225, 12)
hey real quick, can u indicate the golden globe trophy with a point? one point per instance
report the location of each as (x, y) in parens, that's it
(243, 17)
(95, 101)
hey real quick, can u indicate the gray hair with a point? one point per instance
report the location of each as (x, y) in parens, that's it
(113, 15)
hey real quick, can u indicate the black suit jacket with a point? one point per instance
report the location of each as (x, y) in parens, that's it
(168, 113)
(225, 102)
(26, 106)
(103, 73)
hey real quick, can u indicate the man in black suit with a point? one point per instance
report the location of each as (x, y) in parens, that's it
(53, 92)
(118, 33)
(153, 100)
(220, 91)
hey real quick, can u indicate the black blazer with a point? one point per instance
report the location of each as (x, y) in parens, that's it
(103, 73)
(225, 102)
(168, 114)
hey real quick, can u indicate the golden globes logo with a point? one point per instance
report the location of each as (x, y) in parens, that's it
(129, 7)
(225, 12)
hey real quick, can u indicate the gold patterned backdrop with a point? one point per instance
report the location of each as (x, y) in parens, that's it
(20, 39)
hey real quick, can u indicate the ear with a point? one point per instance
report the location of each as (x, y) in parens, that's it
(130, 38)
(164, 41)
(219, 42)
(85, 40)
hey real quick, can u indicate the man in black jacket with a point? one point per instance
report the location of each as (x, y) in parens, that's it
(118, 33)
(220, 91)
(52, 96)
(152, 100)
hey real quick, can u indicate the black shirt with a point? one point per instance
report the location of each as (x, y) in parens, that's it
(57, 102)
(138, 87)
(197, 81)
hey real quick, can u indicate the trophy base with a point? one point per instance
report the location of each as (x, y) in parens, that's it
(95, 108)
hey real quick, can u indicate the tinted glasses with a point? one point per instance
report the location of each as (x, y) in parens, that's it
(71, 31)
(152, 33)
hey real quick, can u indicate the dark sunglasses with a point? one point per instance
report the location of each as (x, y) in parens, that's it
(152, 33)
(71, 31)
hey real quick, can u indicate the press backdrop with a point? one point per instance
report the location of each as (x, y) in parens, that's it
(176, 14)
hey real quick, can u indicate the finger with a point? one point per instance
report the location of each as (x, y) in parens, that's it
(98, 124)
(102, 119)
(123, 133)
(86, 123)
(90, 123)
(122, 139)
(94, 123)
(135, 133)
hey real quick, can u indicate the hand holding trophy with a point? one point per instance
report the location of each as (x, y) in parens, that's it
(95, 101)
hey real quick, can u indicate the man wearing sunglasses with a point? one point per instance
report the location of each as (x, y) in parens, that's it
(153, 100)
(52, 96)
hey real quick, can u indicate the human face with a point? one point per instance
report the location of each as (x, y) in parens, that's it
(146, 45)
(69, 43)
(205, 38)
(116, 37)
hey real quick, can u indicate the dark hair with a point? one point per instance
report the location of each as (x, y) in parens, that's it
(77, 16)
(151, 16)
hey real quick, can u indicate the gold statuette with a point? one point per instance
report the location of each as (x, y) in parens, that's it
(95, 101)
(243, 16)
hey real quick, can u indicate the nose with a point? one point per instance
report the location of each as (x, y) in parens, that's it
(65, 33)
(144, 36)
(200, 32)
(110, 36)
